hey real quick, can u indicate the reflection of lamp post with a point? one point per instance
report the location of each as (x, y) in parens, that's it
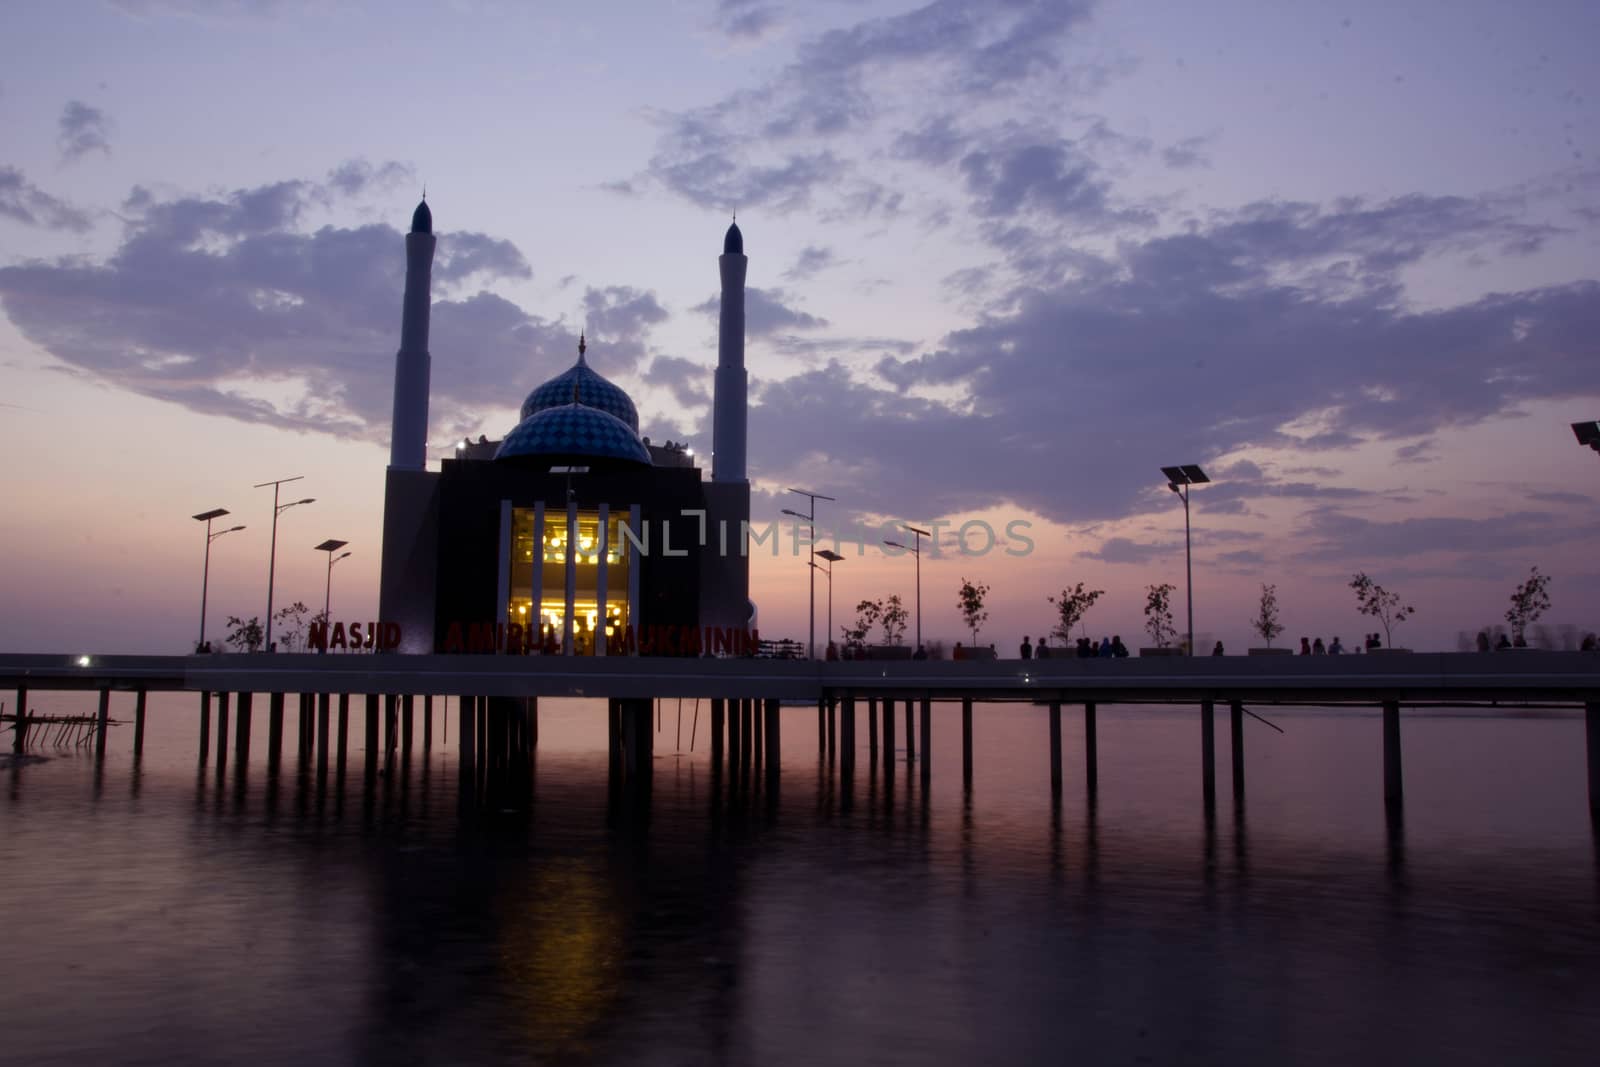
(916, 549)
(832, 557)
(205, 573)
(330, 546)
(1184, 477)
(811, 533)
(272, 559)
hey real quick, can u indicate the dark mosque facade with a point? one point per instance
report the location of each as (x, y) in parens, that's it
(571, 535)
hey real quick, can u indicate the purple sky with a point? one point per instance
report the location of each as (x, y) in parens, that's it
(1007, 261)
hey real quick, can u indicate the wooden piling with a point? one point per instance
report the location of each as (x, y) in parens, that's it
(324, 707)
(100, 723)
(888, 736)
(717, 726)
(407, 706)
(241, 733)
(747, 728)
(847, 733)
(614, 734)
(1393, 779)
(1236, 726)
(222, 731)
(391, 722)
(303, 737)
(872, 731)
(758, 731)
(1055, 748)
(833, 726)
(735, 748)
(966, 742)
(427, 723)
(927, 739)
(1091, 751)
(19, 740)
(371, 751)
(822, 725)
(466, 735)
(1208, 751)
(205, 726)
(274, 731)
(138, 724)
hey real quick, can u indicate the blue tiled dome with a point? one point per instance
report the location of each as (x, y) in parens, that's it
(592, 391)
(574, 432)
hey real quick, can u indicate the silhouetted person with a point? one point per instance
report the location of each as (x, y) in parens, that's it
(1483, 640)
(1374, 641)
(832, 653)
(1217, 651)
(1085, 648)
(1504, 642)
(1317, 648)
(1118, 649)
(959, 653)
(1305, 646)
(922, 653)
(1027, 648)
(1520, 642)
(1043, 651)
(1104, 651)
(1335, 649)
(1589, 644)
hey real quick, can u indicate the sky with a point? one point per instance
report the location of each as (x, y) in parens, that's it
(1007, 260)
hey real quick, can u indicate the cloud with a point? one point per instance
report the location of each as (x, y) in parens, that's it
(766, 312)
(747, 20)
(1123, 550)
(22, 201)
(226, 304)
(1335, 535)
(619, 319)
(1186, 154)
(811, 261)
(685, 379)
(83, 129)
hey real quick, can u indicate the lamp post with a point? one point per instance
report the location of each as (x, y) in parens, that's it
(811, 532)
(330, 546)
(272, 559)
(916, 549)
(832, 557)
(205, 573)
(1179, 480)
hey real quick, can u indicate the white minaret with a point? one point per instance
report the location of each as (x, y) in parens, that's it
(408, 447)
(729, 413)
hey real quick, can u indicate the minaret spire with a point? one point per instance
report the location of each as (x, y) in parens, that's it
(408, 443)
(729, 413)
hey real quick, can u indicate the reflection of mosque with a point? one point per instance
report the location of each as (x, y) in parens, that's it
(573, 532)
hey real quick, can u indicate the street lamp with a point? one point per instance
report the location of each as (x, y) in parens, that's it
(272, 559)
(330, 546)
(832, 557)
(1179, 479)
(205, 574)
(916, 549)
(811, 532)
(1588, 433)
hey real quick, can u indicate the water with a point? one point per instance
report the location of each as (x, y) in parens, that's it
(152, 915)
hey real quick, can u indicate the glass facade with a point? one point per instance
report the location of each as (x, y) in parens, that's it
(539, 569)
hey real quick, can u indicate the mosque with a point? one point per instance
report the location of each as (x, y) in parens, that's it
(572, 534)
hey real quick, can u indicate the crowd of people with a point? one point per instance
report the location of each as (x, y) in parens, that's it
(1108, 648)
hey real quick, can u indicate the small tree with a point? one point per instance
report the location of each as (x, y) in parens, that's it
(244, 636)
(894, 619)
(867, 614)
(1071, 606)
(291, 623)
(970, 600)
(1266, 621)
(1158, 614)
(1381, 604)
(1531, 600)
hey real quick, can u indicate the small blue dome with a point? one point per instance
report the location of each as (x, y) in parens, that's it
(591, 390)
(574, 432)
(733, 241)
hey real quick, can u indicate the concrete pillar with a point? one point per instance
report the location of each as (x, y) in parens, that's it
(241, 733)
(222, 731)
(205, 725)
(371, 724)
(927, 739)
(138, 723)
(427, 722)
(1091, 751)
(1393, 779)
(274, 731)
(391, 723)
(466, 735)
(911, 736)
(1236, 725)
(773, 740)
(303, 736)
(717, 717)
(614, 735)
(833, 726)
(1208, 751)
(888, 736)
(1591, 729)
(19, 740)
(638, 740)
(872, 731)
(1055, 748)
(966, 742)
(100, 723)
(343, 740)
(735, 746)
(324, 709)
(408, 707)
(758, 731)
(847, 733)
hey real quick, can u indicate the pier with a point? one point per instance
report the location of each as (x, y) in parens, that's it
(752, 700)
